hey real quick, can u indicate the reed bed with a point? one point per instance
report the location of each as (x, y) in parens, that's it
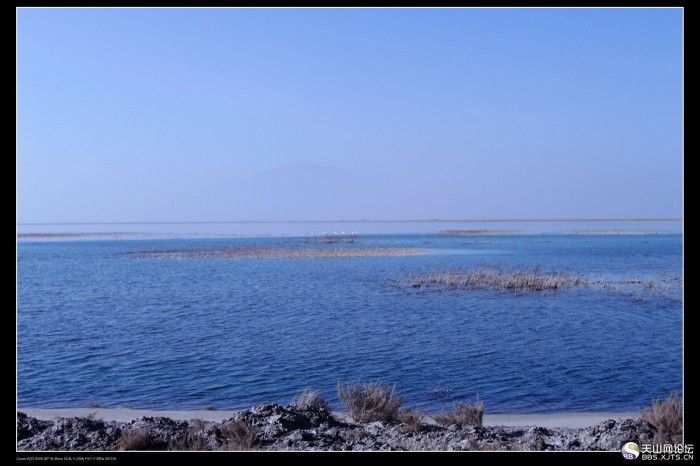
(488, 277)
(263, 252)
(495, 278)
(329, 239)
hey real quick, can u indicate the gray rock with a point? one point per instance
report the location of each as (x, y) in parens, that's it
(273, 427)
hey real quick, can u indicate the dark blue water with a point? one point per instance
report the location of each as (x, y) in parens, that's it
(96, 325)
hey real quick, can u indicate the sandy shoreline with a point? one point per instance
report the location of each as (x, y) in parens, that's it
(571, 420)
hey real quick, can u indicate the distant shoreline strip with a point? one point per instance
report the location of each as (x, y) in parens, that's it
(274, 253)
(81, 235)
(514, 220)
(130, 234)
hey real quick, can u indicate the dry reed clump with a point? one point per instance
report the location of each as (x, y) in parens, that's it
(666, 417)
(239, 435)
(310, 398)
(411, 420)
(463, 414)
(137, 439)
(370, 401)
(194, 440)
(190, 443)
(494, 278)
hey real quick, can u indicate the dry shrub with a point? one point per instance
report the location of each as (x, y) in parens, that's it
(310, 398)
(411, 420)
(666, 417)
(370, 401)
(193, 439)
(239, 435)
(190, 442)
(138, 439)
(463, 414)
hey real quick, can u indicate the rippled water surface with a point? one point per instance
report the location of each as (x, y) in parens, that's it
(97, 325)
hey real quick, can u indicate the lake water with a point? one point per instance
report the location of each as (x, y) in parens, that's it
(97, 325)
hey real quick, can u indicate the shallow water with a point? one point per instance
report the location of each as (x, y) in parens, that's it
(97, 325)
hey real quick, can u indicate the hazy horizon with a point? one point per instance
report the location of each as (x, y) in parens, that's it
(129, 115)
(433, 220)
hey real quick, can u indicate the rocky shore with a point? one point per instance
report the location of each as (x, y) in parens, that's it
(274, 427)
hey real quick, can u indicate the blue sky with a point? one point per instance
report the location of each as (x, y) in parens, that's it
(323, 114)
